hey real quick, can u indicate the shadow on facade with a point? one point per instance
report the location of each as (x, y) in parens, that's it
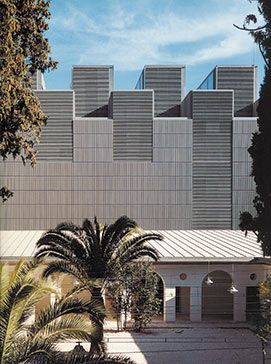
(172, 112)
(101, 112)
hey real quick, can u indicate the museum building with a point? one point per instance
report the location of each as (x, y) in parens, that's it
(177, 163)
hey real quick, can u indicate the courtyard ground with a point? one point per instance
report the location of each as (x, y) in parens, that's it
(186, 344)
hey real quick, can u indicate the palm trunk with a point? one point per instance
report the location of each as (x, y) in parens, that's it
(97, 347)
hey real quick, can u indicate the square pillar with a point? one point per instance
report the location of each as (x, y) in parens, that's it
(169, 304)
(239, 304)
(195, 303)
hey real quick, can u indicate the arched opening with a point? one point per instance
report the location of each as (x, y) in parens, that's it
(217, 302)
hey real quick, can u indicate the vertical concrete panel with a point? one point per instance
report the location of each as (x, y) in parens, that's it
(56, 138)
(212, 138)
(92, 86)
(133, 125)
(241, 79)
(168, 83)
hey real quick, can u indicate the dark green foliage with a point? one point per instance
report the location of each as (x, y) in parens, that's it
(82, 357)
(134, 289)
(92, 251)
(78, 358)
(260, 149)
(5, 193)
(263, 322)
(145, 303)
(262, 34)
(23, 48)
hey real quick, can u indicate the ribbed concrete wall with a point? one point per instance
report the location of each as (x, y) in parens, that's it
(168, 83)
(133, 119)
(212, 127)
(243, 81)
(37, 81)
(172, 147)
(243, 186)
(92, 86)
(93, 140)
(56, 142)
(156, 194)
(165, 172)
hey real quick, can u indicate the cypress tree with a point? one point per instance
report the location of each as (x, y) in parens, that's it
(260, 149)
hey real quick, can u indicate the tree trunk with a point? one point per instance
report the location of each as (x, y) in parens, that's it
(97, 347)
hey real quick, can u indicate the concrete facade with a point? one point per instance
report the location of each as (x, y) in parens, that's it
(167, 160)
(196, 274)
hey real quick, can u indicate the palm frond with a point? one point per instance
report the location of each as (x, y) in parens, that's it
(18, 305)
(56, 239)
(95, 251)
(24, 351)
(68, 226)
(97, 231)
(121, 227)
(65, 306)
(18, 341)
(61, 266)
(15, 271)
(71, 327)
(134, 248)
(87, 358)
(4, 279)
(89, 229)
(39, 291)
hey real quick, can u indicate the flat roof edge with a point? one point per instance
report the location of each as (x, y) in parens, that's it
(93, 66)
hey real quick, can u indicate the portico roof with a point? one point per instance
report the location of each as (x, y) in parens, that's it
(208, 245)
(178, 246)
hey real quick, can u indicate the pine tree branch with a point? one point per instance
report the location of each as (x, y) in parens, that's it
(248, 29)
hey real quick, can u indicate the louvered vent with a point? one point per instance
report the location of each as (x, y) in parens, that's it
(92, 86)
(242, 81)
(56, 138)
(168, 86)
(212, 125)
(133, 124)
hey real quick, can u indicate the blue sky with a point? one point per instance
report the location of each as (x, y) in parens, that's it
(132, 33)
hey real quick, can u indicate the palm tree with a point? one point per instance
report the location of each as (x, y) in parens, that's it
(19, 292)
(93, 251)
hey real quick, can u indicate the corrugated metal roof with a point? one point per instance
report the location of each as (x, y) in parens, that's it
(17, 244)
(211, 245)
(177, 246)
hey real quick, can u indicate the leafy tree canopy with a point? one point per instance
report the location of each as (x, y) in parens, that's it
(260, 150)
(23, 50)
(134, 289)
(261, 34)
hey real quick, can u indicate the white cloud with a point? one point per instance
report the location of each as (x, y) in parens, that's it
(231, 46)
(130, 39)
